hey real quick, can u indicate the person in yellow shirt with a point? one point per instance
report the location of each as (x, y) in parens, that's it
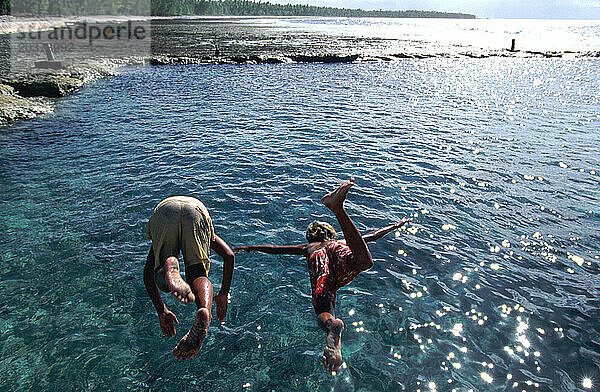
(182, 224)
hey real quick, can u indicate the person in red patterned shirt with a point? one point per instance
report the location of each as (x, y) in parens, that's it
(331, 264)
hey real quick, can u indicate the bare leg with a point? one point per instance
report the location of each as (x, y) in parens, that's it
(177, 286)
(361, 257)
(332, 354)
(191, 343)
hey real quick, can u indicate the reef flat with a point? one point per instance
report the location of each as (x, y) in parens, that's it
(213, 40)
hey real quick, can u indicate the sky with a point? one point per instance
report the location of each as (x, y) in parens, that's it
(527, 9)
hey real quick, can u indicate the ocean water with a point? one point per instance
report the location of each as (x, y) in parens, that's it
(530, 34)
(495, 286)
(372, 36)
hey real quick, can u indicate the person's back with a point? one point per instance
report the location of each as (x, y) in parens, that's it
(183, 224)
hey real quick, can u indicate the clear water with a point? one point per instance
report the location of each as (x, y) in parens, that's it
(498, 275)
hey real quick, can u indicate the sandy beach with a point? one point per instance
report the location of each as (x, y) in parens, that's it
(17, 24)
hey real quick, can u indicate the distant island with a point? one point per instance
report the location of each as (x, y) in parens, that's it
(202, 8)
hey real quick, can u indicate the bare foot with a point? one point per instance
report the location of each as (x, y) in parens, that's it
(335, 200)
(178, 287)
(332, 355)
(403, 221)
(190, 344)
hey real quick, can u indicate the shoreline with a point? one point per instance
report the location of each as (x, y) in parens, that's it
(19, 24)
(27, 95)
(10, 24)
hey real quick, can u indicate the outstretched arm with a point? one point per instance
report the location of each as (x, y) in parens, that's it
(166, 318)
(275, 249)
(377, 234)
(221, 299)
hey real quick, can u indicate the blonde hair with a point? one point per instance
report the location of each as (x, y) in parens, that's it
(320, 232)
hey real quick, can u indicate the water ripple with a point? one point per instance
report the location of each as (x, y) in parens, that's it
(495, 284)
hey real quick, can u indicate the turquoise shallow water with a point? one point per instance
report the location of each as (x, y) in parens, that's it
(496, 282)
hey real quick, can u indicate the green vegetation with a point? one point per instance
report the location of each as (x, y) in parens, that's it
(76, 7)
(199, 7)
(249, 7)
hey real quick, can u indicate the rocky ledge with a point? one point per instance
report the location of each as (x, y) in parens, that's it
(158, 60)
(253, 59)
(14, 107)
(27, 95)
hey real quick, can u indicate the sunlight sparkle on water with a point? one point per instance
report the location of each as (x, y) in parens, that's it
(587, 383)
(577, 259)
(457, 329)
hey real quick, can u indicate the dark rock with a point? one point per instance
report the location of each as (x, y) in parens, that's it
(239, 59)
(534, 52)
(179, 60)
(277, 60)
(423, 56)
(250, 59)
(324, 58)
(552, 54)
(376, 59)
(475, 55)
(255, 59)
(48, 85)
(156, 61)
